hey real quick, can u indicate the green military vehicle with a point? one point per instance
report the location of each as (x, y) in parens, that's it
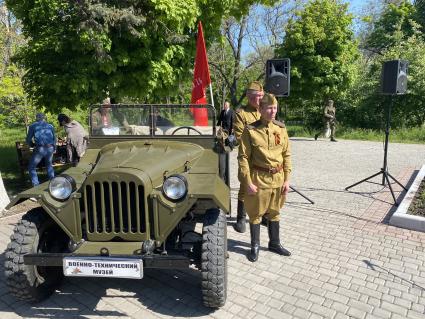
(146, 194)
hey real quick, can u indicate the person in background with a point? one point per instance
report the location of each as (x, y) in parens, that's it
(244, 116)
(41, 136)
(265, 168)
(225, 119)
(76, 138)
(329, 121)
(102, 117)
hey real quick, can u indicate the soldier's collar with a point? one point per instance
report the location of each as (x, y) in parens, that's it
(265, 122)
(251, 107)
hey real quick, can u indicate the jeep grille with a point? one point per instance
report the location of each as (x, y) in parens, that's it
(115, 207)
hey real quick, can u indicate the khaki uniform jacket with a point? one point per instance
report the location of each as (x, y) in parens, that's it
(329, 113)
(244, 116)
(264, 144)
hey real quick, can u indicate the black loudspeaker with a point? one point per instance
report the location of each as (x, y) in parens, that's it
(394, 77)
(278, 76)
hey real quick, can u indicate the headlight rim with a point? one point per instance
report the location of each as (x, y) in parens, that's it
(184, 180)
(71, 180)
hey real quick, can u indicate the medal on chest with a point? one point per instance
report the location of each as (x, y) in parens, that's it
(276, 138)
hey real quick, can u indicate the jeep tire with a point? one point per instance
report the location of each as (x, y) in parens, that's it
(35, 232)
(214, 259)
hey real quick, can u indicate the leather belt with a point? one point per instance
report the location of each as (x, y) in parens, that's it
(272, 170)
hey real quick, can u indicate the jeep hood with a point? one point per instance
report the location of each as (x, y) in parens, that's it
(151, 157)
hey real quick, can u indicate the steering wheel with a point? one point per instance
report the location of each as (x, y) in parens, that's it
(188, 129)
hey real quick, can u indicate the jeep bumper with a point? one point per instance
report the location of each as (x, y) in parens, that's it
(149, 261)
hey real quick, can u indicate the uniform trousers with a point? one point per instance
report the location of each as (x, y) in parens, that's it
(266, 200)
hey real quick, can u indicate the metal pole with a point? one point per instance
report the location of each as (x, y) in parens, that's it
(387, 134)
(211, 95)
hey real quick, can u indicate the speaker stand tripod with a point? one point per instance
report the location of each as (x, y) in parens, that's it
(301, 194)
(384, 170)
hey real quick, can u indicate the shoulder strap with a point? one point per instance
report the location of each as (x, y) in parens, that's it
(253, 125)
(279, 123)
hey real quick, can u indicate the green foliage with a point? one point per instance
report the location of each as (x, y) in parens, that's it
(420, 13)
(394, 25)
(15, 109)
(320, 43)
(415, 135)
(364, 106)
(13, 179)
(79, 51)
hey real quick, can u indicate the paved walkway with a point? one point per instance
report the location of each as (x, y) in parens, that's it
(347, 261)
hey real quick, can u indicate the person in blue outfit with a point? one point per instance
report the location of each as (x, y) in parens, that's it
(41, 136)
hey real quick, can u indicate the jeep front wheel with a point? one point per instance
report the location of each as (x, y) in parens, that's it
(214, 261)
(35, 233)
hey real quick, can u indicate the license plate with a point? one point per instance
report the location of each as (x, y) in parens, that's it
(103, 267)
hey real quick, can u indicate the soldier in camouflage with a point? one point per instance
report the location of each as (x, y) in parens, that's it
(329, 121)
(264, 168)
(244, 116)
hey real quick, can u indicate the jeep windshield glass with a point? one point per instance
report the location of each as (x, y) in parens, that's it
(152, 120)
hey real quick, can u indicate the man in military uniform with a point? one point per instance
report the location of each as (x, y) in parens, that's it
(265, 167)
(329, 120)
(244, 116)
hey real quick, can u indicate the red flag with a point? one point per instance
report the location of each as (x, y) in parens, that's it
(201, 79)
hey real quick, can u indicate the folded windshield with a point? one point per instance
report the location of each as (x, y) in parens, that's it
(152, 120)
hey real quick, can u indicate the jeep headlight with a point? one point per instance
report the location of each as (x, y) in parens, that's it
(175, 187)
(62, 186)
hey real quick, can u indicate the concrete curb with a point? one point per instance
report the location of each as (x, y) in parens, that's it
(401, 218)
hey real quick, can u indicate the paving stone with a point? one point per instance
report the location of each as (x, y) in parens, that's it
(394, 308)
(381, 313)
(356, 313)
(415, 315)
(322, 311)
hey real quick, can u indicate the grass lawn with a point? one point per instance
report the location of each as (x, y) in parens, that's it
(414, 135)
(14, 180)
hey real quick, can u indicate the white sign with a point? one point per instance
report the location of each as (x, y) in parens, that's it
(111, 130)
(103, 267)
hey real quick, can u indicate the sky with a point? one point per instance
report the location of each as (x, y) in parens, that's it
(356, 5)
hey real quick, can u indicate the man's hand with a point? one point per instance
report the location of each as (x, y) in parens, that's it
(252, 189)
(285, 188)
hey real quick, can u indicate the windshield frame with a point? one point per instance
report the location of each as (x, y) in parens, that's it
(211, 110)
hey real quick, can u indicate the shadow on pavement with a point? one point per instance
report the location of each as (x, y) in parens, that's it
(400, 193)
(162, 292)
(395, 277)
(331, 211)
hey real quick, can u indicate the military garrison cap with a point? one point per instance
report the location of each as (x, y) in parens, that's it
(255, 86)
(268, 99)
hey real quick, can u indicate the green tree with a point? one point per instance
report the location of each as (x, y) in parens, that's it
(320, 43)
(409, 109)
(395, 18)
(79, 51)
(420, 13)
(15, 108)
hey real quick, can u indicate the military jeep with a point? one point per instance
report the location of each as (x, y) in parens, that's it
(146, 194)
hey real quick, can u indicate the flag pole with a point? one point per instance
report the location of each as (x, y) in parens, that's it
(211, 94)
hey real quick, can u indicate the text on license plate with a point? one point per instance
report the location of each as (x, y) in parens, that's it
(103, 267)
